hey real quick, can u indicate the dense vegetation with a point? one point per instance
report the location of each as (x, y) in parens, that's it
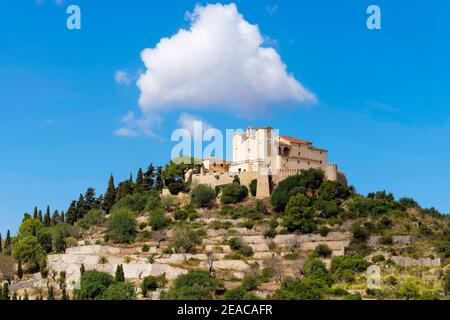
(301, 204)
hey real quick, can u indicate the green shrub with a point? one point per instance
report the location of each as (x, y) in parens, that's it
(235, 294)
(354, 263)
(355, 296)
(266, 274)
(177, 187)
(234, 243)
(300, 289)
(151, 283)
(158, 219)
(203, 196)
(122, 226)
(142, 225)
(250, 282)
(392, 281)
(94, 217)
(270, 233)
(145, 248)
(168, 202)
(386, 239)
(322, 250)
(195, 285)
(233, 193)
(234, 256)
(119, 291)
(247, 224)
(93, 284)
(323, 231)
(185, 239)
(291, 256)
(446, 281)
(360, 234)
(252, 186)
(246, 250)
(216, 225)
(378, 258)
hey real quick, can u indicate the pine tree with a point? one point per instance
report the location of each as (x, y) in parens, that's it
(51, 294)
(159, 183)
(110, 195)
(5, 291)
(47, 220)
(90, 199)
(19, 270)
(120, 275)
(82, 269)
(55, 218)
(7, 245)
(71, 216)
(35, 213)
(62, 217)
(148, 179)
(40, 216)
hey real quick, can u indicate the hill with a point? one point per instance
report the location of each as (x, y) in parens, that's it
(157, 237)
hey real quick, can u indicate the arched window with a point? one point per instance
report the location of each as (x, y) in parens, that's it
(286, 152)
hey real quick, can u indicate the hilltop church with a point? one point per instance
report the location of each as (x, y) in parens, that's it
(268, 157)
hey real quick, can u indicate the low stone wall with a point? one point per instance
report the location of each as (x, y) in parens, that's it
(405, 240)
(409, 262)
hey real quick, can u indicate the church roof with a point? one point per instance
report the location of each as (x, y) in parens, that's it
(295, 140)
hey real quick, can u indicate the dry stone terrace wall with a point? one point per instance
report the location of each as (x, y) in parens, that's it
(172, 265)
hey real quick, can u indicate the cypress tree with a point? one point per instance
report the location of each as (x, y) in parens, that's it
(14, 297)
(71, 216)
(51, 294)
(55, 218)
(26, 216)
(110, 195)
(82, 269)
(139, 182)
(120, 275)
(159, 183)
(7, 245)
(62, 217)
(1, 245)
(35, 213)
(149, 176)
(40, 216)
(82, 207)
(47, 220)
(64, 296)
(19, 270)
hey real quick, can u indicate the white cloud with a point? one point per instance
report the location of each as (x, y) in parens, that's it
(186, 121)
(134, 127)
(122, 77)
(219, 62)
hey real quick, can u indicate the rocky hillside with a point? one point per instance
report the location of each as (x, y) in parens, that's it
(311, 240)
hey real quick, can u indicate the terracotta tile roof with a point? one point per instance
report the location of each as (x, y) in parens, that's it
(295, 140)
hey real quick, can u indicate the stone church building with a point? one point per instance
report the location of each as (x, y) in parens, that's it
(265, 155)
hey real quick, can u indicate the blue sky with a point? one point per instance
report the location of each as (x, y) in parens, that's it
(382, 111)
